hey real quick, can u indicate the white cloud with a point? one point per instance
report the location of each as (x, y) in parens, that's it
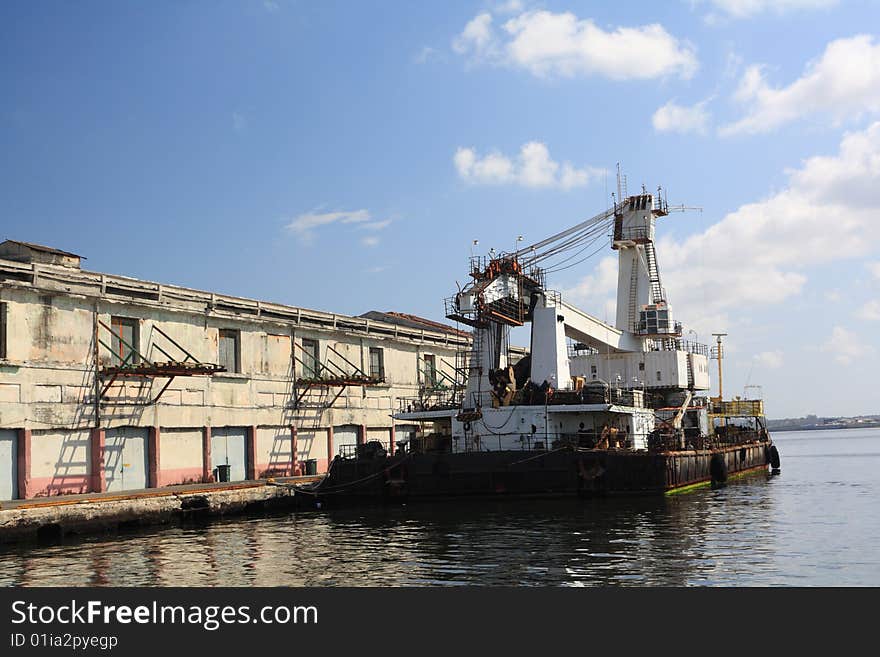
(870, 311)
(843, 84)
(759, 253)
(239, 122)
(749, 8)
(370, 240)
(683, 119)
(844, 346)
(271, 6)
(304, 225)
(874, 268)
(426, 54)
(477, 36)
(509, 7)
(533, 167)
(560, 44)
(770, 359)
(375, 225)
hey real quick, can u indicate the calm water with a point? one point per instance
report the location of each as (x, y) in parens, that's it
(816, 524)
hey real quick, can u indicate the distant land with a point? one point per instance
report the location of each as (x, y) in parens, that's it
(811, 422)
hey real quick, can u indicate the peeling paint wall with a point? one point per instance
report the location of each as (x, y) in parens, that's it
(47, 380)
(60, 462)
(180, 456)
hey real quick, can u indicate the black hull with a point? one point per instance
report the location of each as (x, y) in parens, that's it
(559, 473)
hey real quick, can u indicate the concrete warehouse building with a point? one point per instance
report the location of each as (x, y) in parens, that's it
(110, 383)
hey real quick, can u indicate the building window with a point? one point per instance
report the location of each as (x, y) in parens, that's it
(641, 367)
(430, 370)
(659, 376)
(310, 359)
(230, 350)
(3, 307)
(125, 342)
(593, 371)
(377, 363)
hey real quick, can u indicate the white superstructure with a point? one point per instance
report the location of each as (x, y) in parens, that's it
(583, 377)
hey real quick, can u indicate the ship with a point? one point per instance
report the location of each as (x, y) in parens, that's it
(589, 408)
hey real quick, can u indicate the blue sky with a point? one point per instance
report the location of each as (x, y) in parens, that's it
(344, 155)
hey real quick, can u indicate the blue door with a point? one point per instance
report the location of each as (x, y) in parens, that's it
(8, 464)
(229, 447)
(125, 458)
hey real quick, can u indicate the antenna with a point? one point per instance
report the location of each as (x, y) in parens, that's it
(719, 354)
(619, 192)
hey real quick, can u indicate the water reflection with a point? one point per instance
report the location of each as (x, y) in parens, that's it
(813, 525)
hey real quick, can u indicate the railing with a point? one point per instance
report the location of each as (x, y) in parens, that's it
(552, 298)
(433, 402)
(580, 349)
(631, 234)
(659, 441)
(673, 344)
(737, 408)
(674, 330)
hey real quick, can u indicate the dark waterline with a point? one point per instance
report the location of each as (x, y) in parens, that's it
(814, 525)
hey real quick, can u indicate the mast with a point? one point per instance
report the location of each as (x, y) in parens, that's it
(719, 354)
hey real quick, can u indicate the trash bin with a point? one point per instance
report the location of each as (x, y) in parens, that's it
(310, 467)
(223, 472)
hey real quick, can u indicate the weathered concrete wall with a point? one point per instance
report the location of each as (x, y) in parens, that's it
(273, 452)
(312, 444)
(180, 456)
(61, 462)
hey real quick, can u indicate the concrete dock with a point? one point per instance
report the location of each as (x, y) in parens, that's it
(51, 518)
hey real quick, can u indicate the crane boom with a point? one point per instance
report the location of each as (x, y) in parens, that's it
(565, 233)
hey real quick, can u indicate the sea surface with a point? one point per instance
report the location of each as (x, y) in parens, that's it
(815, 524)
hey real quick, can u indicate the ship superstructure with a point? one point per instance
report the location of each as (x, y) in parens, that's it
(582, 377)
(589, 407)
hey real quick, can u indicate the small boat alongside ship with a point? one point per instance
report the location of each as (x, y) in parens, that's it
(592, 408)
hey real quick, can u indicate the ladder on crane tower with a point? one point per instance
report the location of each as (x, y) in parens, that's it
(689, 357)
(653, 273)
(633, 291)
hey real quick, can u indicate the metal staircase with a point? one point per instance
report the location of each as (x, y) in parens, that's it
(657, 295)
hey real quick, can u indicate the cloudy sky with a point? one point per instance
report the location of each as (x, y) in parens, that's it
(345, 155)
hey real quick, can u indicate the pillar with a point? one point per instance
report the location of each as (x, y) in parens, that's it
(292, 451)
(99, 482)
(153, 458)
(391, 440)
(24, 463)
(329, 447)
(362, 434)
(251, 451)
(207, 476)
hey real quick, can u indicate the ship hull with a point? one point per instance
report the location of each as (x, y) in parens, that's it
(553, 473)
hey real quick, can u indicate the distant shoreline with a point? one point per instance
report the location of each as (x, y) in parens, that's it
(825, 427)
